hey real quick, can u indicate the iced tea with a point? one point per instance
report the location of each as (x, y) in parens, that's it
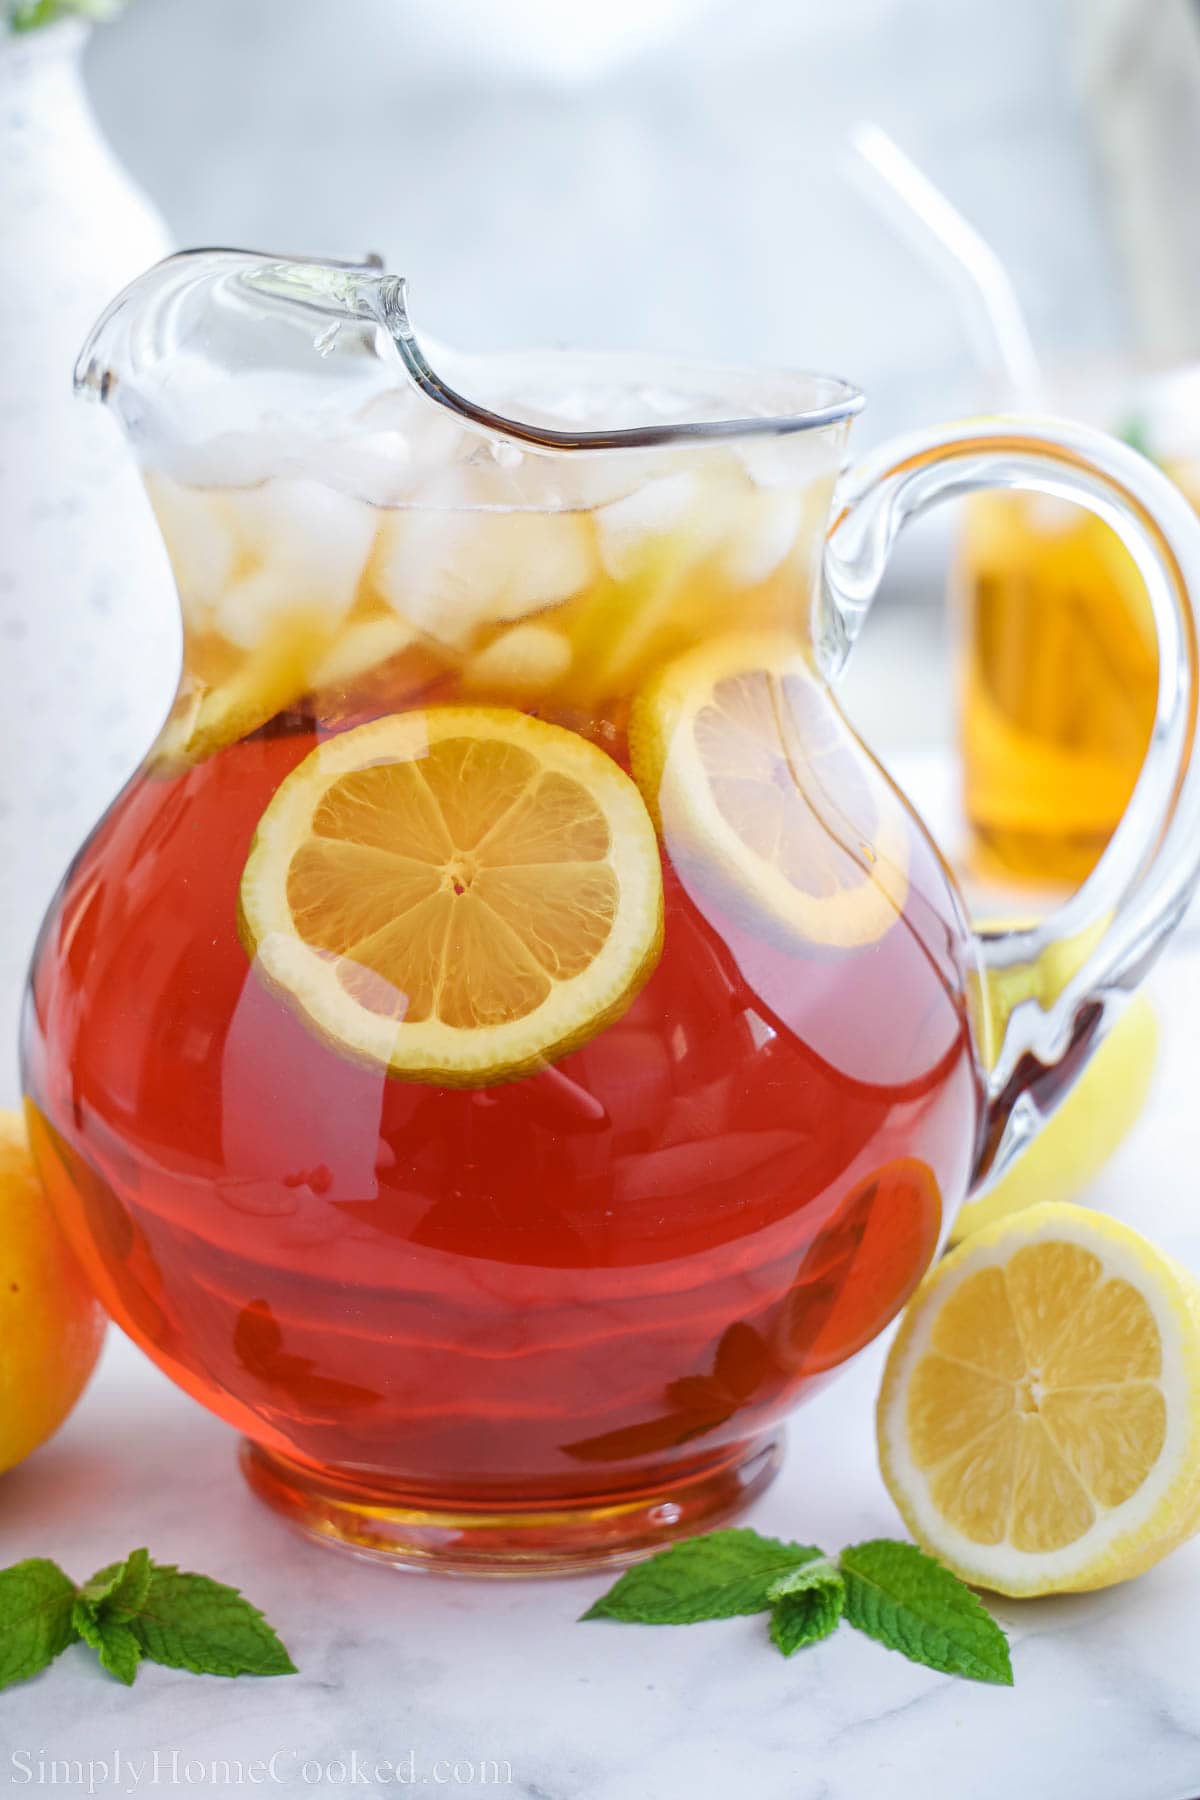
(567, 1284)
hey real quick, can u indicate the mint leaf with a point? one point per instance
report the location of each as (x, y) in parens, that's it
(36, 1599)
(191, 1622)
(114, 1641)
(911, 1603)
(104, 1607)
(120, 1651)
(28, 15)
(119, 1591)
(807, 1605)
(719, 1576)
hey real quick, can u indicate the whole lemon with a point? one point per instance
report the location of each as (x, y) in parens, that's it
(1082, 1134)
(51, 1324)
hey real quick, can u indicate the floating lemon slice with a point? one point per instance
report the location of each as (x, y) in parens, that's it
(299, 657)
(759, 786)
(458, 895)
(1039, 1420)
(219, 706)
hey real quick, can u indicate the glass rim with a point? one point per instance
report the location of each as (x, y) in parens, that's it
(146, 312)
(845, 400)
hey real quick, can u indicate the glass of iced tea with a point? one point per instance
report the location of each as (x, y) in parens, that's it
(509, 1042)
(1058, 662)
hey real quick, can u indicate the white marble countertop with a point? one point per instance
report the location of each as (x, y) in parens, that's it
(1106, 1703)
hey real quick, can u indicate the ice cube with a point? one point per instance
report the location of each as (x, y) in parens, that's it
(451, 570)
(237, 459)
(763, 530)
(787, 459)
(595, 478)
(362, 646)
(695, 510)
(376, 466)
(434, 439)
(251, 608)
(525, 661)
(627, 529)
(302, 547)
(199, 541)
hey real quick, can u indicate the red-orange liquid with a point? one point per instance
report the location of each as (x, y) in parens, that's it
(557, 1286)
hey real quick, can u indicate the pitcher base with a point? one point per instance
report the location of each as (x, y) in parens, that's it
(546, 1539)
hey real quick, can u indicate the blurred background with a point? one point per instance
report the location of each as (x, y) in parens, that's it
(664, 175)
(676, 175)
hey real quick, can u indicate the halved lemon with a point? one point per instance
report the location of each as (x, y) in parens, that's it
(1039, 1420)
(759, 786)
(458, 895)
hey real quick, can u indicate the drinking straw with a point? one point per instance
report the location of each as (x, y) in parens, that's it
(952, 246)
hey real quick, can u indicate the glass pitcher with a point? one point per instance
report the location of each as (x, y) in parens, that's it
(510, 1042)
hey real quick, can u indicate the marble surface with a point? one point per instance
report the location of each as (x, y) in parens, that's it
(397, 1667)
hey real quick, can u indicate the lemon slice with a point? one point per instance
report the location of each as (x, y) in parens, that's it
(299, 657)
(457, 895)
(1039, 1420)
(761, 789)
(218, 705)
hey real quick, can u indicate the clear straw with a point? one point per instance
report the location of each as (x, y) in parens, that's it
(937, 230)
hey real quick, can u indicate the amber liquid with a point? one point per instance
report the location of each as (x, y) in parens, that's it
(1058, 689)
(567, 1284)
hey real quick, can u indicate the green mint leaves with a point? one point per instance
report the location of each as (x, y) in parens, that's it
(911, 1603)
(190, 1622)
(806, 1605)
(893, 1592)
(36, 1599)
(713, 1577)
(130, 1611)
(114, 1642)
(118, 1591)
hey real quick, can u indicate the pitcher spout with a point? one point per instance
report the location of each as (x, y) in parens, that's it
(151, 317)
(210, 343)
(162, 354)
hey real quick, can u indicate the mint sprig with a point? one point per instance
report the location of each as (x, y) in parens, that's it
(806, 1605)
(28, 15)
(892, 1591)
(130, 1611)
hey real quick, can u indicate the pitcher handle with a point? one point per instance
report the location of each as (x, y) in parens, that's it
(1054, 987)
